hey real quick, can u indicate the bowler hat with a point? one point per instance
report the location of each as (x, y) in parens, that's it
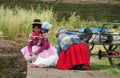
(36, 22)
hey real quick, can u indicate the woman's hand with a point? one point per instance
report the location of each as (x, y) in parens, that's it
(31, 53)
(36, 53)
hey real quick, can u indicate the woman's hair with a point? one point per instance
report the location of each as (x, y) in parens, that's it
(36, 25)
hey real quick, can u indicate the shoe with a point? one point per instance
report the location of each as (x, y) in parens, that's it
(84, 67)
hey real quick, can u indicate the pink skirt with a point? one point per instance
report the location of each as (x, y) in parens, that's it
(44, 54)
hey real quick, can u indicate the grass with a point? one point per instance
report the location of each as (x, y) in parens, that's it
(18, 20)
(100, 12)
(103, 65)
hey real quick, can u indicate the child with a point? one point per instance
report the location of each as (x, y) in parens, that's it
(35, 38)
(47, 53)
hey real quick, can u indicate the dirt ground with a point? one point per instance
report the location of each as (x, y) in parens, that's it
(55, 73)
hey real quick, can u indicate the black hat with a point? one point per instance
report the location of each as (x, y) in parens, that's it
(37, 22)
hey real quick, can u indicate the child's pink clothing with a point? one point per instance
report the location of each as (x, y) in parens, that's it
(44, 54)
(47, 53)
(34, 40)
(34, 35)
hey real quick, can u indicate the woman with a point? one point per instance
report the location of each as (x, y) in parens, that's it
(73, 53)
(47, 54)
(35, 38)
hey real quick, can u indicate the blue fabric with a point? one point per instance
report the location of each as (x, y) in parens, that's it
(46, 25)
(59, 50)
(95, 30)
(66, 39)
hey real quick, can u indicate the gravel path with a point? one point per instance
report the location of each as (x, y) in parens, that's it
(55, 73)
